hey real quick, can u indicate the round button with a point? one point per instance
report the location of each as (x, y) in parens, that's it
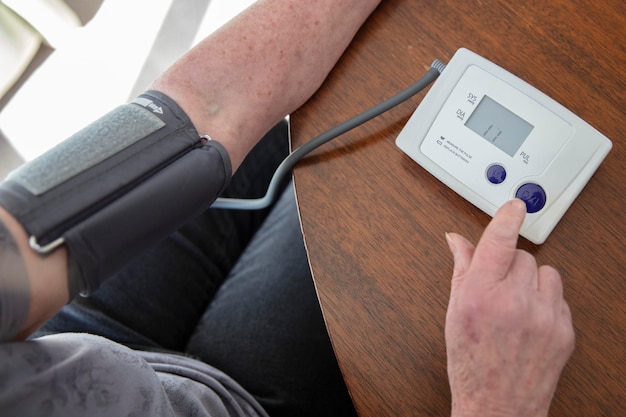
(533, 195)
(496, 174)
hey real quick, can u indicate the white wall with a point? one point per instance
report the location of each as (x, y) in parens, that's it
(96, 69)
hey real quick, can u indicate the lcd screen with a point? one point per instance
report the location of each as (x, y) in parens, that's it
(498, 125)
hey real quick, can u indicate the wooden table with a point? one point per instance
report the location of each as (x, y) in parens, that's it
(374, 221)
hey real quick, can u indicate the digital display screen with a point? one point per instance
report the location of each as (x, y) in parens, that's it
(499, 125)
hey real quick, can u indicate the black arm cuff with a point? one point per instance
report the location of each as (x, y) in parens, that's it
(117, 187)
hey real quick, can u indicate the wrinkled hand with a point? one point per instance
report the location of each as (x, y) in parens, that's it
(508, 329)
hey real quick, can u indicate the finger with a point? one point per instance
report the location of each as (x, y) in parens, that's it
(566, 311)
(550, 285)
(570, 341)
(524, 270)
(462, 251)
(495, 251)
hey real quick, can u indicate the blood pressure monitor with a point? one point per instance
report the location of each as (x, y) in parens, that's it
(492, 137)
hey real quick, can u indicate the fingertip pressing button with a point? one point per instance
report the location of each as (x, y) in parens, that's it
(533, 195)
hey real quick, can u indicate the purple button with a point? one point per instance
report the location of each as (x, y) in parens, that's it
(533, 195)
(496, 174)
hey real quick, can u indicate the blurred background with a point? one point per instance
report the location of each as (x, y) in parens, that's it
(64, 63)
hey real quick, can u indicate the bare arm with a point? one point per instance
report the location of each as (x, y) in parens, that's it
(261, 66)
(40, 283)
(235, 85)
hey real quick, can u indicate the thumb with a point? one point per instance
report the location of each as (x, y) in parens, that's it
(462, 251)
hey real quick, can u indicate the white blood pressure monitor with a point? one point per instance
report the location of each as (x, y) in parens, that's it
(492, 137)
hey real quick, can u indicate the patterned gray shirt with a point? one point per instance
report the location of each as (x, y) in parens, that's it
(84, 375)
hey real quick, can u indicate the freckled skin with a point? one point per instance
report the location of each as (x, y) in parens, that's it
(272, 59)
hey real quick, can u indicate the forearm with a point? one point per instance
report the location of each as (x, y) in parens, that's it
(239, 82)
(38, 283)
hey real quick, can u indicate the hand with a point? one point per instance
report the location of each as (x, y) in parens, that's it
(508, 329)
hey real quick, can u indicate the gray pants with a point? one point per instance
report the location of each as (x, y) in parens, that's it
(231, 288)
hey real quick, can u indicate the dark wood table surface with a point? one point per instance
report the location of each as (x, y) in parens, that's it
(374, 221)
